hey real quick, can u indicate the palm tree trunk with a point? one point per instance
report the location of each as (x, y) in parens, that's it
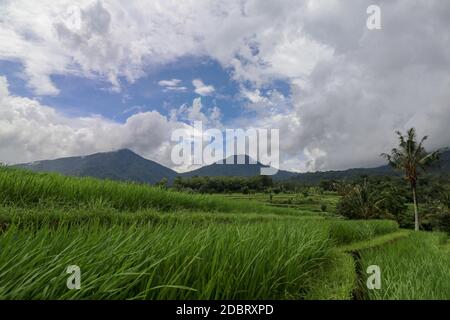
(416, 213)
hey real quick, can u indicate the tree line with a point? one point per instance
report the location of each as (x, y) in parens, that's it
(373, 197)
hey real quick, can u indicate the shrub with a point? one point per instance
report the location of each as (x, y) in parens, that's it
(437, 217)
(364, 201)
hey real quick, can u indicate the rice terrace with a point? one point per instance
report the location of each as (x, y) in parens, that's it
(135, 241)
(224, 158)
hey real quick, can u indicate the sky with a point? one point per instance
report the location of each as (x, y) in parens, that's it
(79, 77)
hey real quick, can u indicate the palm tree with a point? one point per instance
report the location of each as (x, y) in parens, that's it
(411, 157)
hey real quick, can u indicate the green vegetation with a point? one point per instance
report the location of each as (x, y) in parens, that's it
(417, 267)
(224, 184)
(164, 262)
(365, 200)
(312, 203)
(411, 157)
(275, 258)
(338, 279)
(24, 188)
(345, 232)
(135, 241)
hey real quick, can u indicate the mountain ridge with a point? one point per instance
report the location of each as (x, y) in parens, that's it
(126, 165)
(123, 165)
(236, 168)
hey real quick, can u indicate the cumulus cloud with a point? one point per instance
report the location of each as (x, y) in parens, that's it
(379, 82)
(195, 112)
(201, 88)
(169, 83)
(351, 88)
(31, 131)
(118, 41)
(265, 104)
(344, 112)
(172, 85)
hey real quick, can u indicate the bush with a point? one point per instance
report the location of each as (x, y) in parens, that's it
(437, 217)
(443, 222)
(364, 201)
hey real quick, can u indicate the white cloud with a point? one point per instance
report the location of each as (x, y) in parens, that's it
(169, 83)
(31, 131)
(215, 117)
(268, 103)
(172, 85)
(344, 110)
(133, 109)
(201, 88)
(177, 89)
(254, 96)
(117, 41)
(194, 112)
(351, 87)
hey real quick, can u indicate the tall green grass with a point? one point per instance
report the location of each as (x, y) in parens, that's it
(37, 217)
(417, 267)
(348, 231)
(341, 232)
(25, 188)
(279, 260)
(135, 241)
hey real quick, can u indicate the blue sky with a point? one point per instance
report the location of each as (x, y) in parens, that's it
(86, 76)
(83, 96)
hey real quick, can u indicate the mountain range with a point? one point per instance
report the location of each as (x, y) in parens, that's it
(125, 165)
(246, 167)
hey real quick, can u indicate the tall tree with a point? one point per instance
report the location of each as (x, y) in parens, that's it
(411, 157)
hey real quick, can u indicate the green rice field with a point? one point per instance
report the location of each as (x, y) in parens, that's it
(134, 241)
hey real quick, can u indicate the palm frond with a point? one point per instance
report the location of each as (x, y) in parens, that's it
(410, 155)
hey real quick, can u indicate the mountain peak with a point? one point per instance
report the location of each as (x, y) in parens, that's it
(122, 164)
(125, 151)
(239, 159)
